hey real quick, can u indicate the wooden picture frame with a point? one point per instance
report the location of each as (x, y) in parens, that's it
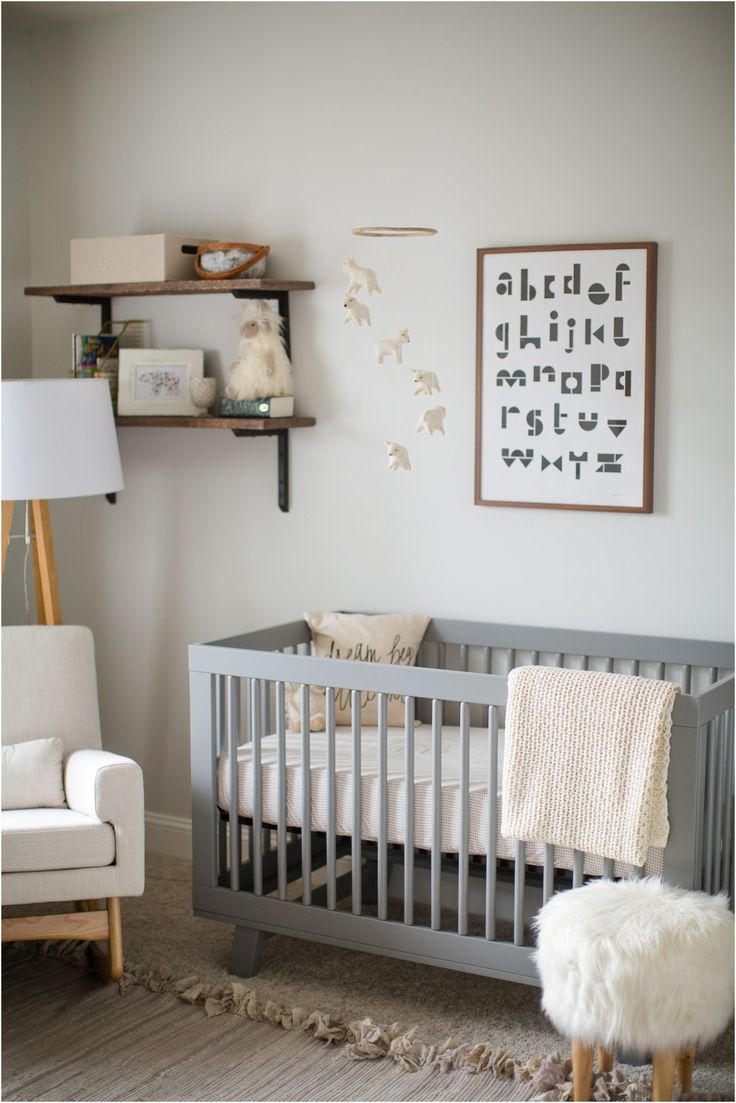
(565, 376)
(156, 382)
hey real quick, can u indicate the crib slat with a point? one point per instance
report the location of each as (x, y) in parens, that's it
(634, 666)
(462, 857)
(687, 679)
(609, 666)
(436, 855)
(491, 836)
(585, 662)
(256, 855)
(608, 868)
(578, 864)
(442, 656)
(382, 806)
(548, 873)
(220, 748)
(488, 659)
(710, 791)
(281, 782)
(233, 733)
(534, 658)
(265, 707)
(331, 837)
(356, 848)
(720, 725)
(463, 656)
(660, 671)
(728, 808)
(221, 712)
(559, 659)
(519, 882)
(510, 660)
(306, 800)
(409, 811)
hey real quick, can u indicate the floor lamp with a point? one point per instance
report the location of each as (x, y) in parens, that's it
(58, 441)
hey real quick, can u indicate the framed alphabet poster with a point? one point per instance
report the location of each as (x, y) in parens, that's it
(565, 376)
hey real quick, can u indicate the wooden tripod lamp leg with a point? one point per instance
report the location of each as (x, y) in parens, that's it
(48, 605)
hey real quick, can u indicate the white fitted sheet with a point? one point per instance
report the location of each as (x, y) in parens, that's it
(396, 803)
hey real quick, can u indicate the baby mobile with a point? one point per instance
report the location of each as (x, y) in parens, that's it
(364, 280)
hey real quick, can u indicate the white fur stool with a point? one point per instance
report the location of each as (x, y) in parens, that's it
(639, 965)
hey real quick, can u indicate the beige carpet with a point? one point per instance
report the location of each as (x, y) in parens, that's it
(435, 1020)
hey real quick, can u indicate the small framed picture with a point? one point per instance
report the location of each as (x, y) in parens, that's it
(156, 381)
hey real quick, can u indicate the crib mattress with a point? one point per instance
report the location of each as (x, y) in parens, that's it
(478, 805)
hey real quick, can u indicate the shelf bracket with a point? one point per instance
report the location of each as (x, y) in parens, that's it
(282, 440)
(104, 303)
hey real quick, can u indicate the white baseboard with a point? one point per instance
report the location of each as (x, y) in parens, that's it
(168, 835)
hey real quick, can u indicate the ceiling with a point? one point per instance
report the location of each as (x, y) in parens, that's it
(36, 16)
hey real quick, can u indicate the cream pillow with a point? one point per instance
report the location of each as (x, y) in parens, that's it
(32, 774)
(392, 638)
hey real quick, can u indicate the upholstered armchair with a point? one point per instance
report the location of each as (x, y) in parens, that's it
(87, 842)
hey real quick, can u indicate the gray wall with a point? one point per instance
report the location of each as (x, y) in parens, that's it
(291, 124)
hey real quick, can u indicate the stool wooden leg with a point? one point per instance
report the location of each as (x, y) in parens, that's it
(685, 1062)
(605, 1060)
(582, 1071)
(663, 1074)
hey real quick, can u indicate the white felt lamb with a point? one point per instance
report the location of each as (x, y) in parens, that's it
(263, 369)
(427, 381)
(360, 279)
(398, 457)
(391, 346)
(432, 421)
(358, 313)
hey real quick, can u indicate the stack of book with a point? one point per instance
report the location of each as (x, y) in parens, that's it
(95, 356)
(257, 407)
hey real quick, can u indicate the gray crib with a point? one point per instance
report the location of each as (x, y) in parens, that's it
(263, 864)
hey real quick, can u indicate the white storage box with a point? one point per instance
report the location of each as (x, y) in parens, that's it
(141, 258)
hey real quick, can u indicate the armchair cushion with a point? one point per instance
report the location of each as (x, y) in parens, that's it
(39, 839)
(32, 774)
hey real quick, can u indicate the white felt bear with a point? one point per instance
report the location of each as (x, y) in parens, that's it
(360, 279)
(391, 346)
(427, 381)
(263, 369)
(398, 457)
(432, 420)
(356, 312)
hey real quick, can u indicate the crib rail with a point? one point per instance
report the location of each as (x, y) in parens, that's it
(331, 879)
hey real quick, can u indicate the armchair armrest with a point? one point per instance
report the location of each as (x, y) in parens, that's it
(110, 787)
(102, 784)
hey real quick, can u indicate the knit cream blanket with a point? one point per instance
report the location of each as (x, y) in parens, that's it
(586, 757)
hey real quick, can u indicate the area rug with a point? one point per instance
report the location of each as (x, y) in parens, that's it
(375, 1008)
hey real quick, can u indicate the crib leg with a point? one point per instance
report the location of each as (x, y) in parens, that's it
(247, 951)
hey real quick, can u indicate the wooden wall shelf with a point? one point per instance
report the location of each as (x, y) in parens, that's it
(258, 425)
(92, 292)
(242, 427)
(102, 294)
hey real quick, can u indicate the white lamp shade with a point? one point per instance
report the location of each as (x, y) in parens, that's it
(59, 439)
